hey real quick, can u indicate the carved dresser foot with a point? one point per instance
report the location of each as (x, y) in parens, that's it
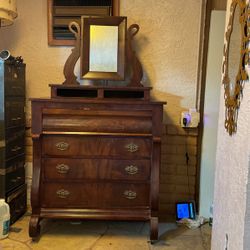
(153, 229)
(34, 227)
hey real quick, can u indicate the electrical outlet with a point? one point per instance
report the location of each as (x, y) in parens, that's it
(190, 119)
(185, 119)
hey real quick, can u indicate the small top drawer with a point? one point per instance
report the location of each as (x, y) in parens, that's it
(57, 145)
(95, 119)
(15, 80)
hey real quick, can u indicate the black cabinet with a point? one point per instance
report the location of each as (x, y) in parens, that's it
(12, 136)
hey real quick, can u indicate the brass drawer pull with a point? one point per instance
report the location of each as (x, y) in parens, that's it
(16, 119)
(62, 146)
(131, 147)
(62, 168)
(62, 193)
(15, 75)
(16, 148)
(130, 194)
(131, 169)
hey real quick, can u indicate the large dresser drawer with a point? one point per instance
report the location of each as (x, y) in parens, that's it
(15, 172)
(115, 121)
(94, 195)
(72, 169)
(17, 200)
(53, 145)
(15, 142)
(15, 179)
(15, 115)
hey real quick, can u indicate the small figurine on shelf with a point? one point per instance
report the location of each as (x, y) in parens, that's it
(5, 55)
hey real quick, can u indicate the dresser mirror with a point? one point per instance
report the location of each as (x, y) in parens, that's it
(103, 47)
(236, 54)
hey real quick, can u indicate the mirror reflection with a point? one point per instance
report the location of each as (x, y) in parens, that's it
(236, 55)
(103, 54)
(234, 51)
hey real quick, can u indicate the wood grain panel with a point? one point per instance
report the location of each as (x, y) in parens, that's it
(97, 124)
(219, 4)
(93, 195)
(89, 169)
(96, 146)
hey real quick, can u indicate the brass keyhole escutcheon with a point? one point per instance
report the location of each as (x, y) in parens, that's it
(131, 147)
(129, 194)
(62, 168)
(62, 193)
(62, 146)
(131, 169)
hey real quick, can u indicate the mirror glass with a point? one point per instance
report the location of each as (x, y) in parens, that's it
(234, 51)
(236, 57)
(103, 50)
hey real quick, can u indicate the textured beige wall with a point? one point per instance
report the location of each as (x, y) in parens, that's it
(167, 46)
(231, 176)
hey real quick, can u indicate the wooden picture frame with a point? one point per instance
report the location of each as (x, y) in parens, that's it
(87, 70)
(70, 42)
(234, 84)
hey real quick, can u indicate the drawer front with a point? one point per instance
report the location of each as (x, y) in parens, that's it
(15, 80)
(69, 195)
(122, 121)
(15, 179)
(125, 195)
(96, 146)
(17, 200)
(15, 143)
(13, 164)
(95, 195)
(65, 169)
(15, 115)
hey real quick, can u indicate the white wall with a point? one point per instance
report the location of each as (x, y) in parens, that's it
(247, 219)
(211, 110)
(231, 176)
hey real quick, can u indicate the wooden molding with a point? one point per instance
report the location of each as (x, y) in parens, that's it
(116, 7)
(68, 42)
(219, 4)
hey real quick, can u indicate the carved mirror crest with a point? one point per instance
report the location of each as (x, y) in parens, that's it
(236, 59)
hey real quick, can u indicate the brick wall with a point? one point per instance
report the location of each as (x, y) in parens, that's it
(178, 176)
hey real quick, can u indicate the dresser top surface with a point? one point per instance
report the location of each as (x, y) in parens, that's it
(96, 101)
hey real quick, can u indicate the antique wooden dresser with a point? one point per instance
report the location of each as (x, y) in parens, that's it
(96, 155)
(12, 136)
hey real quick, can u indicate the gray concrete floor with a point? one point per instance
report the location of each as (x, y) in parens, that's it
(105, 235)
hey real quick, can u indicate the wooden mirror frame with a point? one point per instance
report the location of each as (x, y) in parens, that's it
(232, 102)
(121, 23)
(68, 42)
(132, 67)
